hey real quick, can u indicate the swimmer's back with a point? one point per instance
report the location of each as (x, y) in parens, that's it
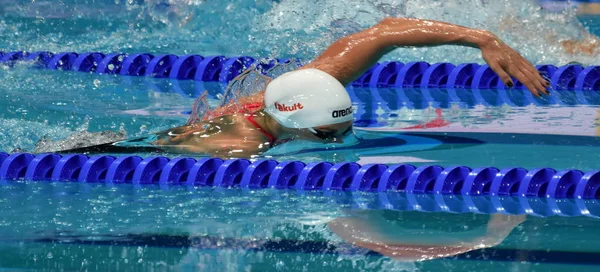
(225, 135)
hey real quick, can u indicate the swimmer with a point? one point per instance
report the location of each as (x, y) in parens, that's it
(588, 42)
(311, 103)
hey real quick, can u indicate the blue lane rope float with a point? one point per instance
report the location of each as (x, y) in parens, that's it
(539, 192)
(223, 69)
(295, 175)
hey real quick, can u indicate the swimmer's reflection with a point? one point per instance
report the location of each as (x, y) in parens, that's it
(418, 236)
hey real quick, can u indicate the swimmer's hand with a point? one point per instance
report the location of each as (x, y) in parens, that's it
(507, 62)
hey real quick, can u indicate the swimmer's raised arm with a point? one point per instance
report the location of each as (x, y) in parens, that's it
(349, 57)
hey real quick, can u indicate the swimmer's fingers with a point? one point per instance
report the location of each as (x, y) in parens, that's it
(499, 70)
(527, 82)
(518, 69)
(535, 79)
(525, 77)
(524, 72)
(529, 70)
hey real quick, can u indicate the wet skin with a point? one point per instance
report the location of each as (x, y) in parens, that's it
(346, 59)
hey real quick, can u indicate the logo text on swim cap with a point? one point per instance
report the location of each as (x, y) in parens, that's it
(283, 107)
(341, 113)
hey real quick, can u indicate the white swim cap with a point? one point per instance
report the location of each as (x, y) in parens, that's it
(307, 98)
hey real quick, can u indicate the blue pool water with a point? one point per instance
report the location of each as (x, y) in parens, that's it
(71, 226)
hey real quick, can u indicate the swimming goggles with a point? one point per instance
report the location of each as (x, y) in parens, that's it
(324, 135)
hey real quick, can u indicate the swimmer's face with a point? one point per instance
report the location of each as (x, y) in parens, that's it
(329, 133)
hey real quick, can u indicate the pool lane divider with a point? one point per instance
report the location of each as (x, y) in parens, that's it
(541, 183)
(223, 69)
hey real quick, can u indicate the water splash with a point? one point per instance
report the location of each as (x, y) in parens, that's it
(276, 29)
(523, 24)
(79, 139)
